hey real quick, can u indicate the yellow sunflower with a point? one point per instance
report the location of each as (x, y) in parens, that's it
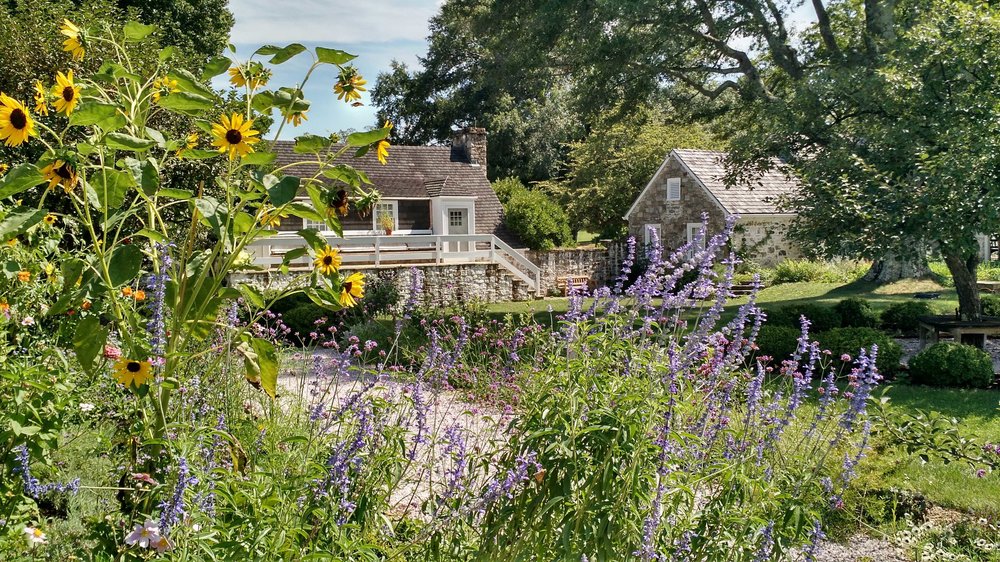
(67, 93)
(253, 74)
(50, 219)
(16, 125)
(164, 85)
(382, 146)
(189, 143)
(272, 218)
(132, 373)
(296, 117)
(74, 40)
(41, 99)
(60, 173)
(3, 169)
(234, 135)
(327, 261)
(349, 85)
(352, 289)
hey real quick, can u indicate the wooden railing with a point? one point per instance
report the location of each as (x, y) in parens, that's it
(405, 250)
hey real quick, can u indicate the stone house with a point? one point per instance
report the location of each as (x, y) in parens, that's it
(689, 183)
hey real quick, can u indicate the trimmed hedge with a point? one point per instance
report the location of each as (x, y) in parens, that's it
(850, 341)
(990, 305)
(856, 312)
(822, 317)
(902, 316)
(952, 364)
(777, 342)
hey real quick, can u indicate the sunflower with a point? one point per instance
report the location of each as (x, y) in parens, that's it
(41, 99)
(327, 261)
(349, 85)
(67, 93)
(189, 143)
(50, 219)
(296, 117)
(272, 218)
(234, 135)
(164, 85)
(352, 289)
(341, 203)
(132, 373)
(74, 40)
(24, 276)
(382, 146)
(16, 124)
(253, 74)
(60, 172)
(3, 169)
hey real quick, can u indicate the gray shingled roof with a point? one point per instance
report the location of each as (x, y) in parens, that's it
(759, 196)
(419, 171)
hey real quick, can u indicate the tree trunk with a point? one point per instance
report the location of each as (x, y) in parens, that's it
(892, 268)
(963, 271)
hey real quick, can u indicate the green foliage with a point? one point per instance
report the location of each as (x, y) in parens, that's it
(850, 341)
(990, 304)
(777, 342)
(821, 317)
(801, 271)
(534, 217)
(903, 316)
(856, 312)
(954, 365)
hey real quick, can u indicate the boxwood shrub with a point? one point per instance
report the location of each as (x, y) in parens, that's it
(902, 316)
(990, 305)
(850, 341)
(952, 364)
(778, 342)
(856, 312)
(822, 317)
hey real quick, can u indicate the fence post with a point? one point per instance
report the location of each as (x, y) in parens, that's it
(378, 248)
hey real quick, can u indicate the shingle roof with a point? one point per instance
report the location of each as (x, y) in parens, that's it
(419, 171)
(760, 196)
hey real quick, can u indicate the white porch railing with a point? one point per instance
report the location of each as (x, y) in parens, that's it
(404, 250)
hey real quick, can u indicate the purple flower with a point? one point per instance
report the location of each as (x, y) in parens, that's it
(173, 510)
(32, 487)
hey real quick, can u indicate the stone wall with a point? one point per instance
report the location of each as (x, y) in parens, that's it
(598, 264)
(672, 217)
(764, 240)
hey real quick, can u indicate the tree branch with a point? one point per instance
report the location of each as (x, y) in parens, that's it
(825, 30)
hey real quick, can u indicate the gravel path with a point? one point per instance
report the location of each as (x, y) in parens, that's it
(858, 548)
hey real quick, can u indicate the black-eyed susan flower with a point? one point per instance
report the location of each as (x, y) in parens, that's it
(327, 261)
(130, 372)
(66, 93)
(189, 143)
(164, 85)
(50, 219)
(252, 74)
(16, 124)
(352, 289)
(60, 172)
(234, 135)
(349, 84)
(74, 39)
(41, 99)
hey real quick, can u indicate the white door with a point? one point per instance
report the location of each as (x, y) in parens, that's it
(458, 223)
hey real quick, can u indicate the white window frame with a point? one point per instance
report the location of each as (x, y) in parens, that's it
(460, 211)
(645, 233)
(673, 189)
(692, 231)
(376, 213)
(318, 225)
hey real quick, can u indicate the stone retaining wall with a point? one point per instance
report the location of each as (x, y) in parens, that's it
(600, 265)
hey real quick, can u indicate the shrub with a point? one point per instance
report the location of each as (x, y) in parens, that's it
(821, 317)
(990, 305)
(777, 342)
(850, 341)
(855, 312)
(952, 364)
(536, 219)
(801, 271)
(902, 316)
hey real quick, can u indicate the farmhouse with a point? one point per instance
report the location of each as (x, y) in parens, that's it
(689, 183)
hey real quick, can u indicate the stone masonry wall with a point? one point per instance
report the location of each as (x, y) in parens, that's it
(672, 217)
(598, 264)
(764, 240)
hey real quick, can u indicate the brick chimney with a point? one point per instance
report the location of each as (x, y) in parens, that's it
(469, 145)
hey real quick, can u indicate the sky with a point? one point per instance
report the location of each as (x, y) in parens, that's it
(378, 31)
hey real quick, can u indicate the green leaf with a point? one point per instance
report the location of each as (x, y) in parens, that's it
(173, 193)
(315, 240)
(135, 31)
(124, 265)
(20, 178)
(111, 71)
(346, 174)
(262, 101)
(189, 83)
(304, 211)
(19, 429)
(18, 220)
(215, 67)
(258, 158)
(106, 116)
(89, 340)
(265, 50)
(265, 365)
(152, 235)
(252, 295)
(110, 187)
(334, 56)
(186, 103)
(287, 52)
(293, 254)
(284, 191)
(150, 178)
(368, 137)
(311, 143)
(122, 141)
(72, 269)
(200, 154)
(166, 53)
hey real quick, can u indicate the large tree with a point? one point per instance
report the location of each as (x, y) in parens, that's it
(886, 107)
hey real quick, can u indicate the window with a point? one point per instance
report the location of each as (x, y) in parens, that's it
(318, 225)
(648, 231)
(456, 218)
(385, 209)
(673, 189)
(693, 230)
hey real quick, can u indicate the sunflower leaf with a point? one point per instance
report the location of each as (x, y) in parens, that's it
(166, 53)
(311, 143)
(284, 190)
(18, 220)
(266, 365)
(313, 238)
(334, 56)
(135, 31)
(287, 52)
(188, 82)
(19, 179)
(106, 116)
(215, 67)
(262, 101)
(124, 265)
(258, 158)
(89, 340)
(368, 137)
(186, 102)
(109, 188)
(122, 141)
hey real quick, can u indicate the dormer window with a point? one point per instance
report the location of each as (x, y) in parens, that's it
(673, 189)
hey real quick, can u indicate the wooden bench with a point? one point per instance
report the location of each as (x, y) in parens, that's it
(567, 282)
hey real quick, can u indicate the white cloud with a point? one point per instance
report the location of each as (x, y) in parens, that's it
(330, 21)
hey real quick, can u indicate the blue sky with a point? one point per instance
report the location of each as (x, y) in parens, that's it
(378, 31)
